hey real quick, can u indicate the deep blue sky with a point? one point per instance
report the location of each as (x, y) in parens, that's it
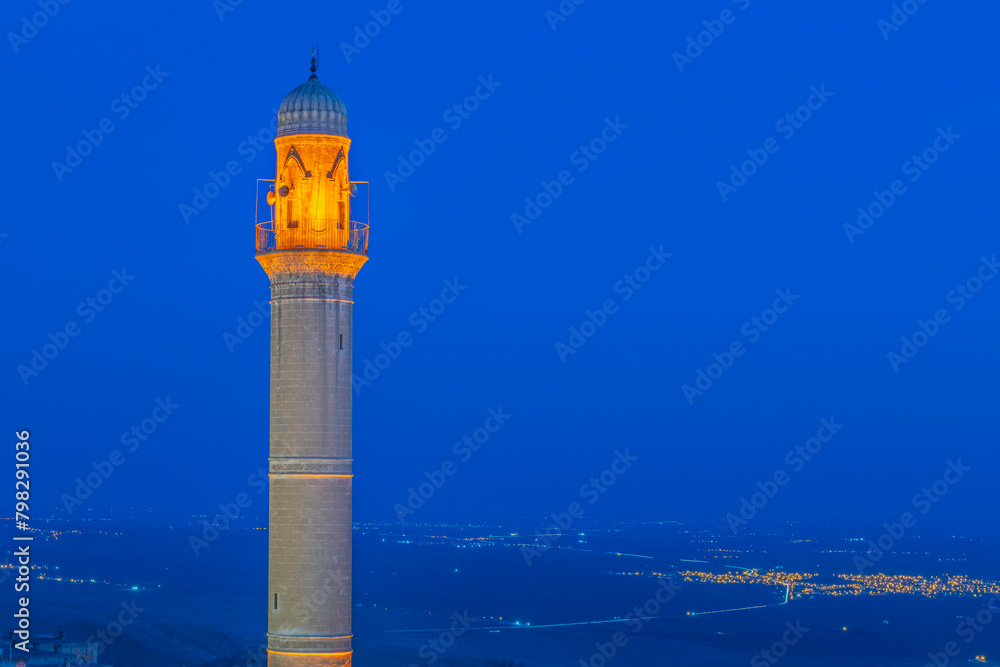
(655, 185)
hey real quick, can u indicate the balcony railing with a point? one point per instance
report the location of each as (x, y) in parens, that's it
(313, 234)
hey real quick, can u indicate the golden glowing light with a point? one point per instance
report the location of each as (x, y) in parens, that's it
(296, 474)
(330, 655)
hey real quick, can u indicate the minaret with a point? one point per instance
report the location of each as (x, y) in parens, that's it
(311, 251)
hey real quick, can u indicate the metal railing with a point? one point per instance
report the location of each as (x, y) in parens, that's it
(313, 234)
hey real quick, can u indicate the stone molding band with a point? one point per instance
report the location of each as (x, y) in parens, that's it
(310, 466)
(309, 644)
(307, 298)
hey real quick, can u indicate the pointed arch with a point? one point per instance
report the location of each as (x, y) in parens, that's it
(293, 154)
(336, 163)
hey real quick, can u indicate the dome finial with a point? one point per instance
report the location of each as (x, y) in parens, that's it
(312, 108)
(315, 61)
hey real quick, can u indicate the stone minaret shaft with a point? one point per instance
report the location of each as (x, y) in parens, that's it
(311, 252)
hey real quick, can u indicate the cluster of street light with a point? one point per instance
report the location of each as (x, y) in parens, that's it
(852, 584)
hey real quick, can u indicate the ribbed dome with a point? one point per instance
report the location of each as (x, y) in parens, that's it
(312, 108)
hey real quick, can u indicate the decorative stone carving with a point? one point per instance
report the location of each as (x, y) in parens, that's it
(311, 466)
(312, 261)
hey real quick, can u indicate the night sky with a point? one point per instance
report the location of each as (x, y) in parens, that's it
(620, 213)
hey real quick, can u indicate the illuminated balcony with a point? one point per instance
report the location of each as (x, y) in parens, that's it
(313, 234)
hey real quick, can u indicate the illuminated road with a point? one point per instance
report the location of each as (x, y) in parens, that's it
(788, 595)
(514, 626)
(527, 626)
